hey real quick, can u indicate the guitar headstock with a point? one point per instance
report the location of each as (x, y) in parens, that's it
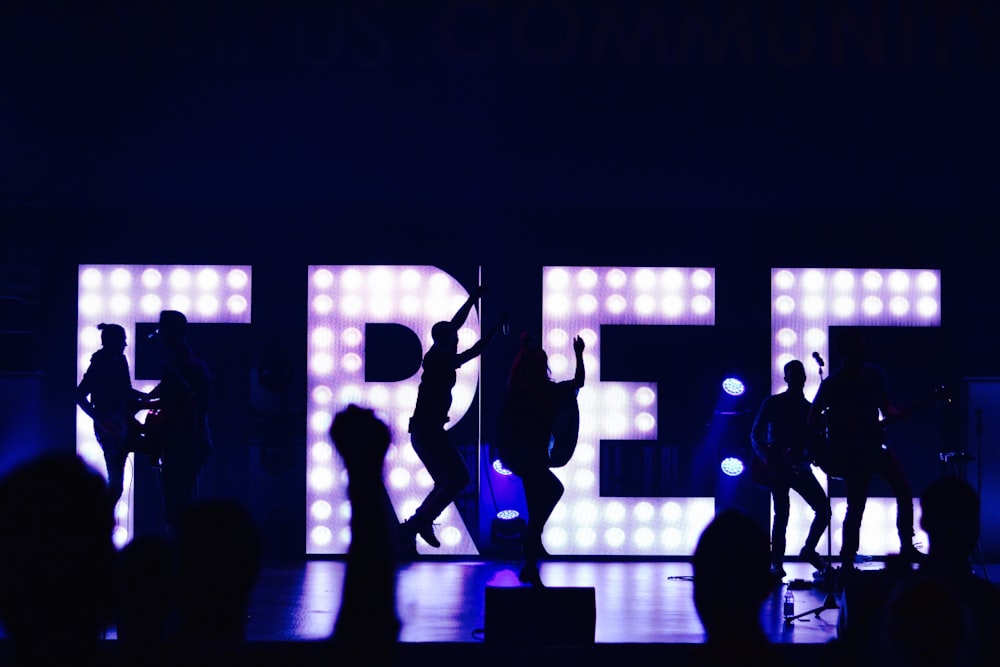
(939, 396)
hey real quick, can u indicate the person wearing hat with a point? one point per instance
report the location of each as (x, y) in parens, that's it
(106, 395)
(443, 460)
(181, 435)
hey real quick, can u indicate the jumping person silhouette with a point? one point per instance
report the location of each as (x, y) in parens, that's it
(442, 458)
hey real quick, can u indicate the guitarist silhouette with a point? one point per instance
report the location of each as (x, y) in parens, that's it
(781, 440)
(106, 395)
(848, 404)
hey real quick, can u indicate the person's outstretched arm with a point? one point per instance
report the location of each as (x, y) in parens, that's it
(83, 395)
(480, 344)
(463, 313)
(581, 373)
(367, 616)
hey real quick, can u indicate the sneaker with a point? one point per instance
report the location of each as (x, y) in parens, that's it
(813, 558)
(777, 571)
(427, 533)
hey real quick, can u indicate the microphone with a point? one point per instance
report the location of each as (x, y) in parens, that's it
(819, 359)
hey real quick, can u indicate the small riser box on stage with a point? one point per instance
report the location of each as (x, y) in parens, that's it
(533, 616)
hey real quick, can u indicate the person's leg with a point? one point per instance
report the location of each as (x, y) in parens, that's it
(447, 468)
(856, 484)
(889, 468)
(782, 509)
(115, 461)
(547, 490)
(542, 491)
(807, 486)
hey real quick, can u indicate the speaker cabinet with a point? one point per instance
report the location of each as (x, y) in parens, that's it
(532, 616)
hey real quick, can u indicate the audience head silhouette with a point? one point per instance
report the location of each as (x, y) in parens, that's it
(57, 561)
(218, 562)
(732, 575)
(949, 510)
(145, 591)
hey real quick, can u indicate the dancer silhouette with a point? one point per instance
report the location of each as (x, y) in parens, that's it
(527, 419)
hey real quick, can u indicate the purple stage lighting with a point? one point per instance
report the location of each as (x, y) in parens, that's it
(732, 466)
(733, 386)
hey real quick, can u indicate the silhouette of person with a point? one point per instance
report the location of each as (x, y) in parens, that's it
(732, 578)
(950, 515)
(847, 406)
(218, 552)
(443, 460)
(367, 624)
(526, 425)
(145, 596)
(106, 395)
(781, 440)
(57, 561)
(940, 614)
(181, 434)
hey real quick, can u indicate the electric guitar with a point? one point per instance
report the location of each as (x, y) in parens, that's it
(840, 450)
(139, 437)
(121, 428)
(780, 468)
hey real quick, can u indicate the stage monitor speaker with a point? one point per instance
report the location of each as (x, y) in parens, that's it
(535, 616)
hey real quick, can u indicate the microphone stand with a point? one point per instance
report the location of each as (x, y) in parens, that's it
(830, 601)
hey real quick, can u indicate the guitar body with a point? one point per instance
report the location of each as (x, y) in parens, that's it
(779, 472)
(122, 431)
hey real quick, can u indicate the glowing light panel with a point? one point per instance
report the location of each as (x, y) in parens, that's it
(577, 300)
(342, 300)
(130, 294)
(804, 304)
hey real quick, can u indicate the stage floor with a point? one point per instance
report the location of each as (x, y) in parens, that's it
(444, 601)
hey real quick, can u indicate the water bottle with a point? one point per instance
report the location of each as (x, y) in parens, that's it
(789, 606)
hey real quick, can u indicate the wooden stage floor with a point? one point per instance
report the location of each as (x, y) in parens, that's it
(444, 601)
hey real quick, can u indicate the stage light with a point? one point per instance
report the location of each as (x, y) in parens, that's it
(733, 386)
(500, 469)
(507, 531)
(732, 466)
